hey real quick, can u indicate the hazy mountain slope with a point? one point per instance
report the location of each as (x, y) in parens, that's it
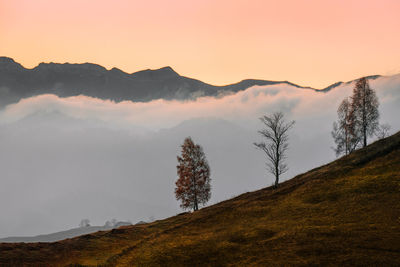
(54, 236)
(93, 80)
(61, 235)
(343, 213)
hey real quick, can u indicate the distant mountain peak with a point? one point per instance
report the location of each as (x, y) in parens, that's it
(6, 60)
(162, 73)
(70, 66)
(9, 63)
(167, 68)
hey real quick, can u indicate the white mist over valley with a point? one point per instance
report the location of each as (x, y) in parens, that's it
(64, 159)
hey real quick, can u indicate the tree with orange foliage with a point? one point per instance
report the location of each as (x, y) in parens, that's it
(193, 184)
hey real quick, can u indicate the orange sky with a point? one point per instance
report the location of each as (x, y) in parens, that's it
(309, 42)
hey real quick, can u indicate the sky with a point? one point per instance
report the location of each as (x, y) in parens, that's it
(65, 159)
(311, 43)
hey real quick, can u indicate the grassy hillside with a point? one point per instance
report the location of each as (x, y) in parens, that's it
(343, 213)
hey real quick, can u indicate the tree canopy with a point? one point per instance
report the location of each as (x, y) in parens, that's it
(193, 184)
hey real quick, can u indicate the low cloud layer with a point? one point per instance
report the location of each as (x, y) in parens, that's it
(64, 159)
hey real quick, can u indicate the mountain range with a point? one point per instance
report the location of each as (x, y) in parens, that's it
(64, 80)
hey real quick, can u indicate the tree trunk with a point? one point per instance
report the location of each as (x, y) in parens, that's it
(365, 136)
(277, 165)
(364, 117)
(346, 141)
(195, 204)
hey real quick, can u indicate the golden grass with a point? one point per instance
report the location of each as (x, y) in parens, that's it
(343, 213)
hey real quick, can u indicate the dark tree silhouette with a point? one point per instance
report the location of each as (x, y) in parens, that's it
(193, 184)
(276, 144)
(365, 107)
(344, 131)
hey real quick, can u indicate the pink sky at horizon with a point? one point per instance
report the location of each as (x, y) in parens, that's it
(311, 43)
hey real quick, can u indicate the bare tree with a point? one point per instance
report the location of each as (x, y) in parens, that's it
(365, 107)
(382, 131)
(193, 184)
(344, 131)
(276, 143)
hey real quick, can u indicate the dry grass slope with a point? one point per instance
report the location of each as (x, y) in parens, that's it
(344, 213)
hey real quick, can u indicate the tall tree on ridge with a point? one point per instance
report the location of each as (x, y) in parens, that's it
(193, 184)
(276, 143)
(365, 107)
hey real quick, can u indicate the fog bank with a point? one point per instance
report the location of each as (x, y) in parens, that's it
(64, 159)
